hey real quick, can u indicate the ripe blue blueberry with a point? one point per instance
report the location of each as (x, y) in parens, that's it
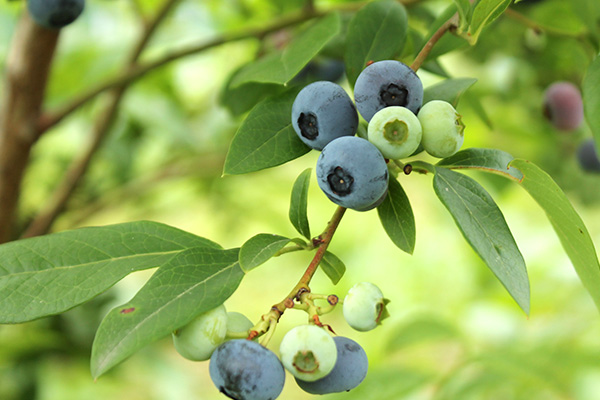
(308, 352)
(563, 106)
(244, 370)
(197, 340)
(55, 14)
(364, 306)
(349, 371)
(588, 156)
(321, 112)
(353, 173)
(387, 83)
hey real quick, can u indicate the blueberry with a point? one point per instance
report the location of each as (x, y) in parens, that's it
(364, 306)
(387, 83)
(588, 156)
(55, 14)
(563, 106)
(197, 340)
(321, 112)
(308, 352)
(395, 131)
(238, 323)
(353, 173)
(244, 370)
(443, 130)
(349, 371)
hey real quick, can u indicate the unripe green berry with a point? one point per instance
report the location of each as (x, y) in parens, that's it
(364, 306)
(197, 340)
(395, 131)
(443, 130)
(237, 323)
(308, 352)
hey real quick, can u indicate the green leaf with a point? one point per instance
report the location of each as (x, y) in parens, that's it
(241, 99)
(333, 267)
(569, 23)
(447, 42)
(569, 227)
(489, 160)
(299, 204)
(50, 274)
(591, 98)
(266, 138)
(192, 282)
(482, 224)
(464, 11)
(484, 13)
(397, 218)
(258, 249)
(448, 90)
(376, 32)
(281, 67)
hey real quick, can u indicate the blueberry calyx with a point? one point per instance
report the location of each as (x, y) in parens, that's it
(308, 125)
(394, 95)
(340, 181)
(396, 131)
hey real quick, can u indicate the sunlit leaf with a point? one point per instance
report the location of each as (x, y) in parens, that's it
(299, 204)
(482, 224)
(333, 267)
(489, 160)
(192, 282)
(259, 249)
(50, 274)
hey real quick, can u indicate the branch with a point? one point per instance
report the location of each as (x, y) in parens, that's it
(27, 69)
(43, 221)
(131, 75)
(422, 56)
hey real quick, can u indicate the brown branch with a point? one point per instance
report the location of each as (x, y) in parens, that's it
(422, 56)
(27, 69)
(43, 221)
(131, 75)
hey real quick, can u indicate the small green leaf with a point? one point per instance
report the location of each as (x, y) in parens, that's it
(484, 13)
(397, 218)
(266, 138)
(482, 224)
(591, 98)
(241, 99)
(464, 11)
(489, 160)
(333, 267)
(192, 282)
(569, 227)
(448, 90)
(281, 67)
(50, 274)
(447, 42)
(259, 249)
(299, 204)
(376, 32)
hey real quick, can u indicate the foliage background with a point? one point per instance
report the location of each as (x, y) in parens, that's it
(454, 332)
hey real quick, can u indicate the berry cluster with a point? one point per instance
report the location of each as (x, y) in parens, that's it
(243, 369)
(388, 94)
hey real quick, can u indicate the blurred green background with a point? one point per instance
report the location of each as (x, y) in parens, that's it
(454, 332)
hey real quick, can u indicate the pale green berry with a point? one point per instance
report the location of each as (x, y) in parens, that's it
(395, 131)
(308, 352)
(364, 306)
(443, 130)
(237, 323)
(197, 340)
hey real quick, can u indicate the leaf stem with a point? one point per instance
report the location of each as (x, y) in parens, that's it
(422, 56)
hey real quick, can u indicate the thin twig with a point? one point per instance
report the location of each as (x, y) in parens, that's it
(422, 56)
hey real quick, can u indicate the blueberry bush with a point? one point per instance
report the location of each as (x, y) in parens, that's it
(386, 104)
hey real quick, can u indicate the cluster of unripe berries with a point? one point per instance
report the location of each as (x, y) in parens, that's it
(243, 369)
(389, 95)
